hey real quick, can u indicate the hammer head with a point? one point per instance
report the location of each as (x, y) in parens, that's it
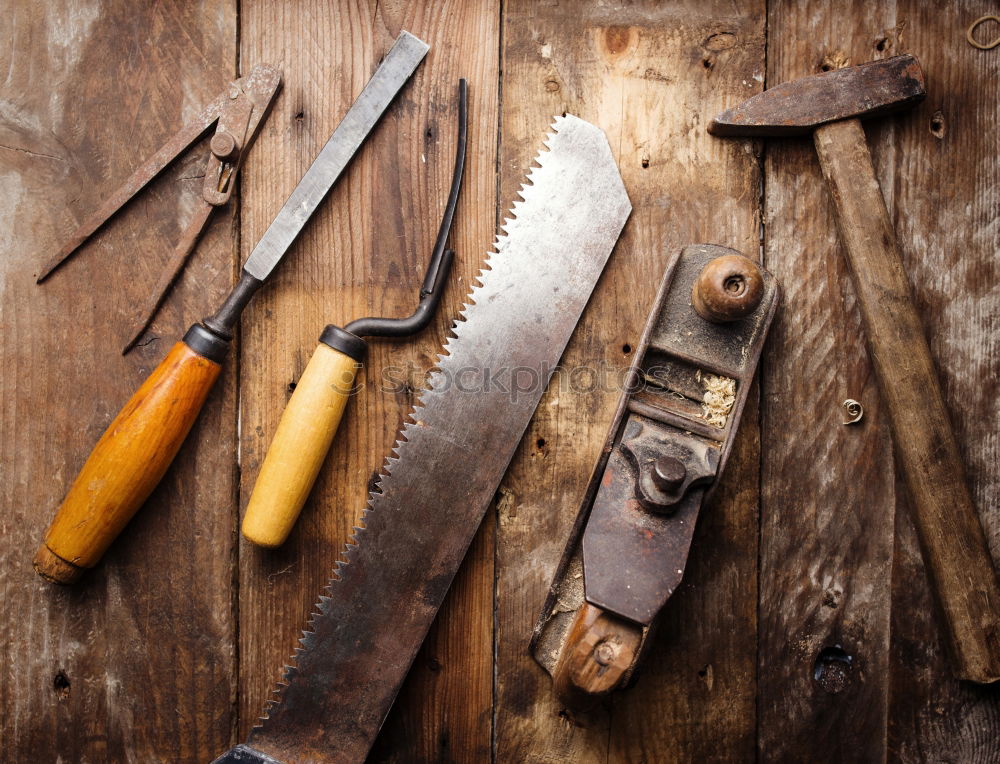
(799, 106)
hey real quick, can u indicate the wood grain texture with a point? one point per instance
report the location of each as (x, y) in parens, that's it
(300, 445)
(945, 219)
(829, 497)
(136, 663)
(129, 460)
(363, 254)
(650, 76)
(580, 674)
(139, 662)
(957, 558)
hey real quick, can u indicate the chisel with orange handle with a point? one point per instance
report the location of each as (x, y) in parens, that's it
(312, 416)
(139, 445)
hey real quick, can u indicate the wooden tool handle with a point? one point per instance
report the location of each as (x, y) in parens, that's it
(599, 653)
(955, 550)
(126, 464)
(300, 445)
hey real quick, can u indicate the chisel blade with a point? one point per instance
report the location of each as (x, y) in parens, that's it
(399, 63)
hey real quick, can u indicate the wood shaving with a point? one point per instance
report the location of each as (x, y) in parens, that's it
(720, 395)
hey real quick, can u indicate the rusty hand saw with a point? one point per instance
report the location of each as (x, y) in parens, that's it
(450, 456)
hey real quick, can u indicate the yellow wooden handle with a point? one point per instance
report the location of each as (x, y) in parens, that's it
(126, 464)
(300, 444)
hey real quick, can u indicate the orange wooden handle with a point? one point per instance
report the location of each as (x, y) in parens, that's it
(126, 464)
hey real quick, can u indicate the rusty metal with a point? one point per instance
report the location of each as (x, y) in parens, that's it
(451, 455)
(237, 115)
(223, 145)
(395, 70)
(800, 106)
(668, 473)
(670, 439)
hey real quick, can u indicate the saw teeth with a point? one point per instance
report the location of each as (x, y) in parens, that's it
(412, 419)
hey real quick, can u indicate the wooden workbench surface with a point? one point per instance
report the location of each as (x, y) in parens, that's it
(168, 650)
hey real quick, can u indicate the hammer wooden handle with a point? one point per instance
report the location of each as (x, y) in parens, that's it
(300, 445)
(955, 550)
(126, 464)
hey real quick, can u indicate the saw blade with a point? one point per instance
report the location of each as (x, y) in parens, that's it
(451, 454)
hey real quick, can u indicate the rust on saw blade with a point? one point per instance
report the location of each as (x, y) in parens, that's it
(450, 455)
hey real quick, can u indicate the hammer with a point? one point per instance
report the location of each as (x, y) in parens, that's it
(954, 546)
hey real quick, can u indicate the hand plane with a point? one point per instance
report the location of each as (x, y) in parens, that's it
(671, 435)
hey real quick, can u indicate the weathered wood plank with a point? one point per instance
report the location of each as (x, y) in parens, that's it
(135, 663)
(364, 254)
(650, 76)
(138, 662)
(828, 494)
(945, 217)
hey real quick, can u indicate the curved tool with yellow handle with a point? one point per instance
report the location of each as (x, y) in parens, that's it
(313, 413)
(300, 444)
(138, 446)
